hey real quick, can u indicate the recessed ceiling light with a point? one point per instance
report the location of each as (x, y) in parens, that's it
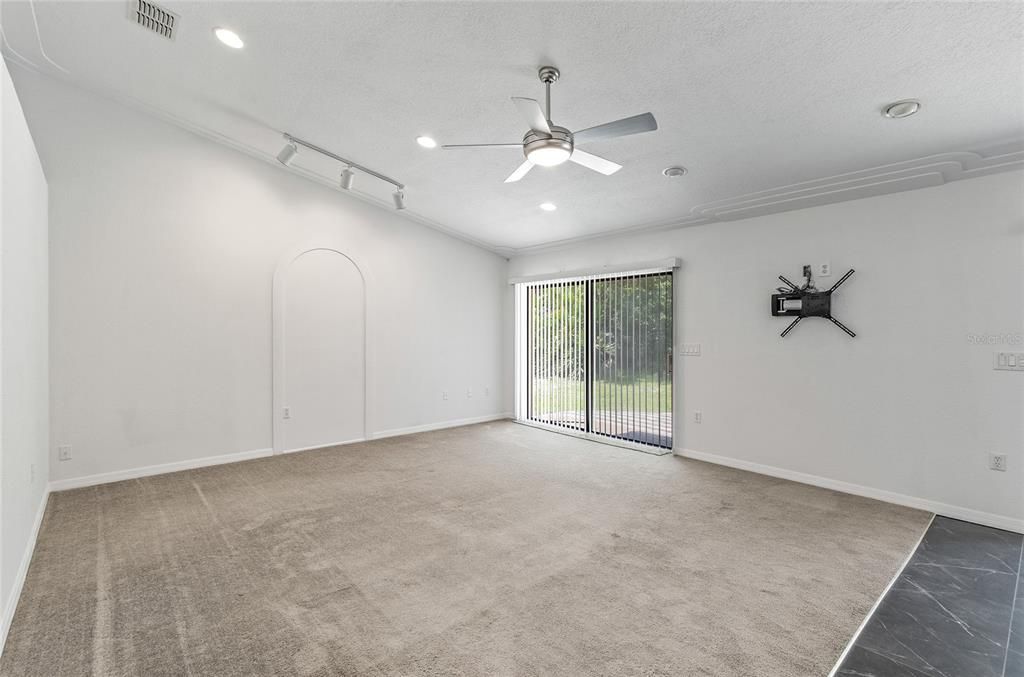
(674, 171)
(229, 38)
(548, 207)
(426, 142)
(902, 109)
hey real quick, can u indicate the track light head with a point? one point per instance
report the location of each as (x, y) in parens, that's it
(347, 177)
(287, 153)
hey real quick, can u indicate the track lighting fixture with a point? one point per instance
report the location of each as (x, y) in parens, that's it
(287, 153)
(347, 177)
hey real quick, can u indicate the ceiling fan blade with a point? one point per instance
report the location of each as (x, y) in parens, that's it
(598, 164)
(457, 146)
(520, 172)
(624, 127)
(532, 114)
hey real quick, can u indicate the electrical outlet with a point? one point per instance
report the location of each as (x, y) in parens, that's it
(469, 393)
(64, 452)
(444, 394)
(698, 417)
(287, 412)
(487, 392)
(997, 462)
(823, 269)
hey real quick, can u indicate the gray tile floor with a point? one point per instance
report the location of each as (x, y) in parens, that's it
(956, 610)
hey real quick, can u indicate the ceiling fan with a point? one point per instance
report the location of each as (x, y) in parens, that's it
(547, 144)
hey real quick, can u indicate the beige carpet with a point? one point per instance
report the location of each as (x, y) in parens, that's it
(494, 549)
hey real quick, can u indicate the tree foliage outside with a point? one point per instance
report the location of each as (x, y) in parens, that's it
(632, 330)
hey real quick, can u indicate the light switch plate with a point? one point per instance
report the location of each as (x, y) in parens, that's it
(691, 349)
(1008, 361)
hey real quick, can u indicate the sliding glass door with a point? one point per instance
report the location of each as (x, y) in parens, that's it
(599, 356)
(632, 381)
(557, 390)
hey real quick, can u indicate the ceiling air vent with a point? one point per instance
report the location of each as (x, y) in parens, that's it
(153, 17)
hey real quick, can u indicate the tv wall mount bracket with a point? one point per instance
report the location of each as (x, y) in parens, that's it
(807, 301)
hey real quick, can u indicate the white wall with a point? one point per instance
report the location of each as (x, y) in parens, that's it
(24, 381)
(911, 406)
(163, 250)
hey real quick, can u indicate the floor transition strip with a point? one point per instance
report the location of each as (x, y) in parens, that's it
(956, 610)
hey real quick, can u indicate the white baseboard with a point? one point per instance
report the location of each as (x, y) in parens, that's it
(440, 426)
(11, 603)
(160, 469)
(944, 509)
(324, 446)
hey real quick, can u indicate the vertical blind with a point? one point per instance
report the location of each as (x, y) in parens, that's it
(557, 353)
(599, 356)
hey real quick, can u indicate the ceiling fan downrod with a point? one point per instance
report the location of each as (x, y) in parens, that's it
(548, 75)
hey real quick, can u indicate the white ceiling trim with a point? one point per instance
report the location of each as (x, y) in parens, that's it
(924, 172)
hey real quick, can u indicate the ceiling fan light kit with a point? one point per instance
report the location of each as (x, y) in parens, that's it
(548, 150)
(548, 145)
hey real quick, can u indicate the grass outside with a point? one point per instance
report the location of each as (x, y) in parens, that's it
(556, 395)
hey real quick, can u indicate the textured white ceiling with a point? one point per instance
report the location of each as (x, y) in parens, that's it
(749, 96)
